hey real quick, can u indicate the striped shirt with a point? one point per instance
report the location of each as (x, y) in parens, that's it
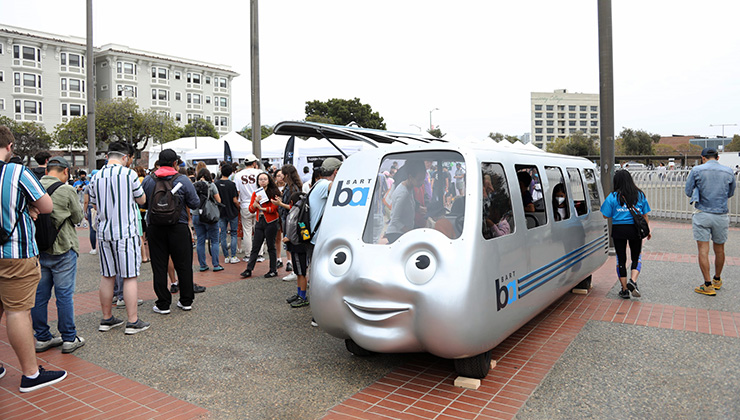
(17, 185)
(114, 190)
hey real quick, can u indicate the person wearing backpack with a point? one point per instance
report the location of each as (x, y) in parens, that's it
(205, 220)
(293, 184)
(170, 195)
(59, 263)
(267, 221)
(299, 251)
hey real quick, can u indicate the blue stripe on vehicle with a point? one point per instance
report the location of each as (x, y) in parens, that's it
(552, 267)
(553, 275)
(568, 255)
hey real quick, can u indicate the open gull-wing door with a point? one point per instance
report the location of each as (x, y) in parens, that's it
(330, 131)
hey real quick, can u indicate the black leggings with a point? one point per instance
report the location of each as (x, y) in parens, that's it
(622, 235)
(264, 231)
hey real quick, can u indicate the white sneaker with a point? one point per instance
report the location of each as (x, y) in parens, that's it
(235, 260)
(93, 252)
(183, 307)
(260, 258)
(290, 277)
(160, 311)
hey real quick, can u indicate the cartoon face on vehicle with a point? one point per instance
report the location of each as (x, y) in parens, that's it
(393, 287)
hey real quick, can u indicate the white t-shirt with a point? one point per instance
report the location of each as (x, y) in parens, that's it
(246, 184)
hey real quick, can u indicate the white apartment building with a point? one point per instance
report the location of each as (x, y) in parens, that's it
(43, 79)
(559, 114)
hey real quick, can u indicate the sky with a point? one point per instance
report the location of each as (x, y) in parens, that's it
(676, 62)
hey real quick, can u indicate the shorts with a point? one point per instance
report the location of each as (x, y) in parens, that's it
(120, 257)
(18, 281)
(300, 263)
(712, 226)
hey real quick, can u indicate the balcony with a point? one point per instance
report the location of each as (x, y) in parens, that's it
(29, 117)
(156, 81)
(25, 90)
(29, 64)
(160, 103)
(73, 94)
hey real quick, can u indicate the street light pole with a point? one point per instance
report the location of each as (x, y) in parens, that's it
(431, 127)
(91, 152)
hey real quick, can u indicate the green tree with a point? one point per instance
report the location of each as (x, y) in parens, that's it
(343, 112)
(638, 142)
(498, 137)
(664, 149)
(266, 130)
(200, 127)
(436, 132)
(30, 138)
(578, 144)
(734, 145)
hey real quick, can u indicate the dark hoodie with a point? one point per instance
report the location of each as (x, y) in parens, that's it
(186, 192)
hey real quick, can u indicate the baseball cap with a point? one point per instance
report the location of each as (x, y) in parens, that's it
(58, 161)
(709, 151)
(167, 156)
(330, 165)
(250, 158)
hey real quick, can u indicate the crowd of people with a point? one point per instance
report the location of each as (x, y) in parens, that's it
(136, 216)
(160, 215)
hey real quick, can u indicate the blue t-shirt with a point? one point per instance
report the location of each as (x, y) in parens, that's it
(621, 215)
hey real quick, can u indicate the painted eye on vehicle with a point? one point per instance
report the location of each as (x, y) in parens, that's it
(421, 267)
(340, 261)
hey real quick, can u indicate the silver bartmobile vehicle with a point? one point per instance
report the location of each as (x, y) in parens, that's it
(448, 248)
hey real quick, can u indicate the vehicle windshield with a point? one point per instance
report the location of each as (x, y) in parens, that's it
(417, 190)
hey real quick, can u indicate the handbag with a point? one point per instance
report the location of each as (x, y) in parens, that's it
(643, 229)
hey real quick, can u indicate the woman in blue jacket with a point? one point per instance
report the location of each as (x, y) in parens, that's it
(624, 231)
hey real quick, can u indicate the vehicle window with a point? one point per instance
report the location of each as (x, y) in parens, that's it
(531, 194)
(417, 190)
(498, 219)
(593, 189)
(557, 193)
(579, 193)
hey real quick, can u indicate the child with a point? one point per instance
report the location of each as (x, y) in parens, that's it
(300, 265)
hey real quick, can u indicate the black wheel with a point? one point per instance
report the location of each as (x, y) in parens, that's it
(474, 367)
(356, 349)
(584, 284)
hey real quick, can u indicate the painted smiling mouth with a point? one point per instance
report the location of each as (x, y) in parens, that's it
(375, 312)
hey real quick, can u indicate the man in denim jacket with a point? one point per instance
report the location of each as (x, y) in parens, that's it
(710, 185)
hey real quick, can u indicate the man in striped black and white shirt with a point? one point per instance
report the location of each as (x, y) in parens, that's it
(23, 199)
(115, 191)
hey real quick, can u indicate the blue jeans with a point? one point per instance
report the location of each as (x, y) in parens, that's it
(203, 231)
(223, 223)
(59, 272)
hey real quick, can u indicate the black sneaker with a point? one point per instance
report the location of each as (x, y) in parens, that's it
(197, 288)
(271, 274)
(624, 294)
(279, 264)
(246, 273)
(292, 298)
(314, 323)
(107, 324)
(45, 378)
(299, 303)
(174, 288)
(136, 327)
(632, 286)
(288, 266)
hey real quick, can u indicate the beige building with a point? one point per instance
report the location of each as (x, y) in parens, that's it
(43, 79)
(559, 114)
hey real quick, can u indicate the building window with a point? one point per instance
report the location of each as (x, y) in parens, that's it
(583, 115)
(208, 80)
(497, 215)
(537, 138)
(75, 60)
(561, 115)
(538, 130)
(561, 107)
(73, 110)
(2, 104)
(208, 99)
(222, 102)
(2, 76)
(550, 122)
(76, 85)
(178, 96)
(161, 94)
(550, 115)
(127, 91)
(594, 116)
(594, 131)
(594, 123)
(193, 98)
(208, 118)
(571, 115)
(582, 123)
(177, 75)
(178, 116)
(550, 130)
(571, 130)
(222, 82)
(124, 67)
(583, 107)
(572, 123)
(571, 107)
(561, 131)
(193, 78)
(27, 53)
(538, 107)
(27, 80)
(29, 107)
(1, 49)
(538, 115)
(550, 138)
(594, 108)
(549, 107)
(537, 122)
(224, 121)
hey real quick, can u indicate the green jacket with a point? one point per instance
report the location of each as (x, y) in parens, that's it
(66, 206)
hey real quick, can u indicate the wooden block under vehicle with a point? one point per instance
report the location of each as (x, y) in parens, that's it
(580, 291)
(468, 383)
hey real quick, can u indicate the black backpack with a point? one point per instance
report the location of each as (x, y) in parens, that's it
(46, 232)
(165, 206)
(302, 220)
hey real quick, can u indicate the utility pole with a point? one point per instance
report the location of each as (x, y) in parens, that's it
(255, 59)
(91, 88)
(606, 94)
(723, 127)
